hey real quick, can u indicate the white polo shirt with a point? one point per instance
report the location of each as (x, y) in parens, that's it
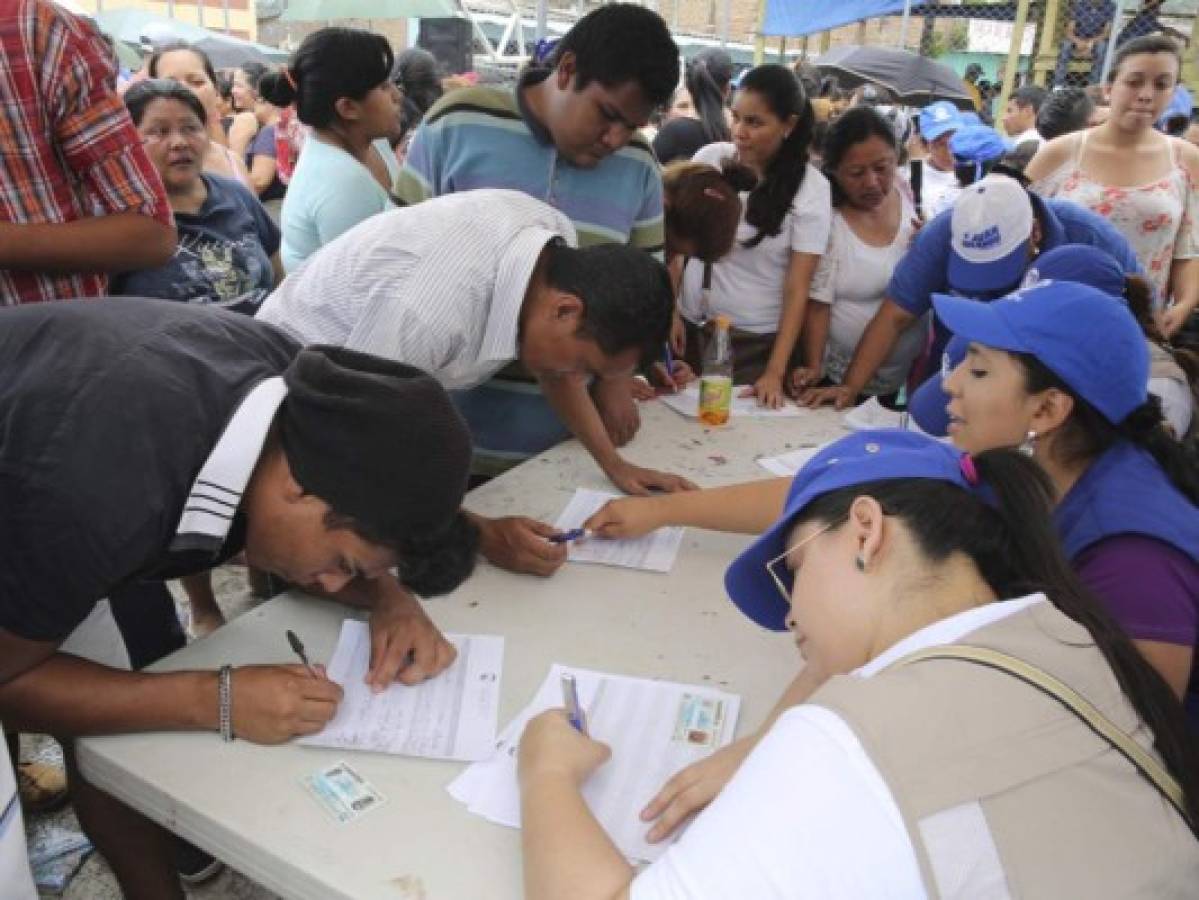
(809, 815)
(438, 285)
(15, 880)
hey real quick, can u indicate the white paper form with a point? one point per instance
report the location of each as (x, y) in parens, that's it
(686, 403)
(787, 464)
(655, 728)
(654, 552)
(452, 716)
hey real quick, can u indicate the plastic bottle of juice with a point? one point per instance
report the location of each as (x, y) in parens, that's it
(716, 382)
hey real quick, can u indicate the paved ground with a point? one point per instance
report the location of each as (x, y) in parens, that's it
(94, 881)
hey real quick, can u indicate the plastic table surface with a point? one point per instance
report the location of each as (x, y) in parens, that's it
(245, 803)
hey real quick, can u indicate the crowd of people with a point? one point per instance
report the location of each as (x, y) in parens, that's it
(288, 316)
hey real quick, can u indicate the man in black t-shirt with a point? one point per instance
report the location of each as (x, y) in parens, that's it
(148, 440)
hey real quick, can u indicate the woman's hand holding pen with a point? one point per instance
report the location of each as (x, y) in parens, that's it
(272, 704)
(552, 747)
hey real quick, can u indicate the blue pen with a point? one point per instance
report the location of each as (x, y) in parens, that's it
(567, 536)
(670, 368)
(570, 699)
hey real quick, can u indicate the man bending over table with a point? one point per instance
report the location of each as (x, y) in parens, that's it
(464, 284)
(142, 439)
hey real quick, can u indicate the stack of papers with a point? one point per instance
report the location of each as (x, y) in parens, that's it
(452, 716)
(655, 728)
(787, 464)
(655, 552)
(686, 402)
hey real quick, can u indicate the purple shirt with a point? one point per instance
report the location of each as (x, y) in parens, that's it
(1152, 591)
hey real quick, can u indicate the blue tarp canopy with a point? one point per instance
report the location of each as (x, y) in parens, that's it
(795, 18)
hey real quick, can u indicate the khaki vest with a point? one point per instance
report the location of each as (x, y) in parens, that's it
(990, 772)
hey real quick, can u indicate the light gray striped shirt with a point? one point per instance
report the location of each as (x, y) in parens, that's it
(438, 285)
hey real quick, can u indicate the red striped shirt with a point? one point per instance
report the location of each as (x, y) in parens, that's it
(68, 149)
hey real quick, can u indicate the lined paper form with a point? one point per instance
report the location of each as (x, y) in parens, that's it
(452, 716)
(655, 552)
(655, 728)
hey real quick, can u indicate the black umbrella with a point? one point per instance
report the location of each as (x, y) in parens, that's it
(229, 52)
(915, 80)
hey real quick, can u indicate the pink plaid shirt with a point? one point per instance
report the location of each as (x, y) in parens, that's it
(68, 149)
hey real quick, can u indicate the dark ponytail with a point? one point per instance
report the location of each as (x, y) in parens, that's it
(330, 64)
(707, 78)
(1087, 434)
(769, 202)
(703, 205)
(1016, 549)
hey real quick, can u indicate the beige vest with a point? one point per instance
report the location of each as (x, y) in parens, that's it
(1005, 792)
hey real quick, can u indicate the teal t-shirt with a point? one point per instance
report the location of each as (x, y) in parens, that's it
(330, 192)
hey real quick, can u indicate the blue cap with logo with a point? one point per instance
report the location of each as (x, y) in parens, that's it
(970, 118)
(1179, 107)
(989, 236)
(1089, 339)
(939, 118)
(1080, 263)
(862, 457)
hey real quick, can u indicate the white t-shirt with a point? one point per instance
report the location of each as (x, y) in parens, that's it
(853, 276)
(747, 285)
(15, 880)
(1031, 135)
(809, 815)
(938, 190)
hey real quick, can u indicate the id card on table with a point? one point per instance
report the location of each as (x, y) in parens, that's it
(342, 793)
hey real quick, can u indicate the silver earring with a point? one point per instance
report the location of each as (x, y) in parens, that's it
(1029, 445)
(859, 563)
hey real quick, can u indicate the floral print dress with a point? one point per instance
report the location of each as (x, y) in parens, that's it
(1159, 218)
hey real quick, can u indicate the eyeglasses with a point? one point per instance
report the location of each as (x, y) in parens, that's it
(189, 132)
(777, 569)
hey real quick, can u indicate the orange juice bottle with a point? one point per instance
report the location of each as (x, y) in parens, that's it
(716, 380)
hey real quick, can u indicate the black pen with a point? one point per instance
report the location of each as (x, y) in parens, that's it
(294, 640)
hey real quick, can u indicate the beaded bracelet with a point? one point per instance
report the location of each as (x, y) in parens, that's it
(225, 699)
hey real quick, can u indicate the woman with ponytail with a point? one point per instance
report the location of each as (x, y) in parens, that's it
(762, 286)
(340, 83)
(933, 743)
(1061, 369)
(707, 77)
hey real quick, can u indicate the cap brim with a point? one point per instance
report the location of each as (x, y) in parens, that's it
(981, 278)
(751, 588)
(976, 321)
(928, 407)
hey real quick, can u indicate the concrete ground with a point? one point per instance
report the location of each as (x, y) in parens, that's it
(94, 881)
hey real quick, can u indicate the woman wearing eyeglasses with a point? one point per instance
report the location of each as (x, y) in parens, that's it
(938, 747)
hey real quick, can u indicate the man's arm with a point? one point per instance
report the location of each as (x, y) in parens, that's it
(114, 243)
(570, 400)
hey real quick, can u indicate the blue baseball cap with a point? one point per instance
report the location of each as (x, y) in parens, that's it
(977, 144)
(1080, 263)
(970, 118)
(862, 457)
(939, 118)
(1089, 339)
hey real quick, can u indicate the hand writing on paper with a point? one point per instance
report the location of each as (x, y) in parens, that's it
(801, 379)
(551, 747)
(405, 644)
(629, 517)
(519, 544)
(693, 788)
(272, 704)
(640, 481)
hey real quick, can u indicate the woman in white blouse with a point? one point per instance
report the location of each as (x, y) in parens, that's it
(921, 752)
(873, 224)
(762, 285)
